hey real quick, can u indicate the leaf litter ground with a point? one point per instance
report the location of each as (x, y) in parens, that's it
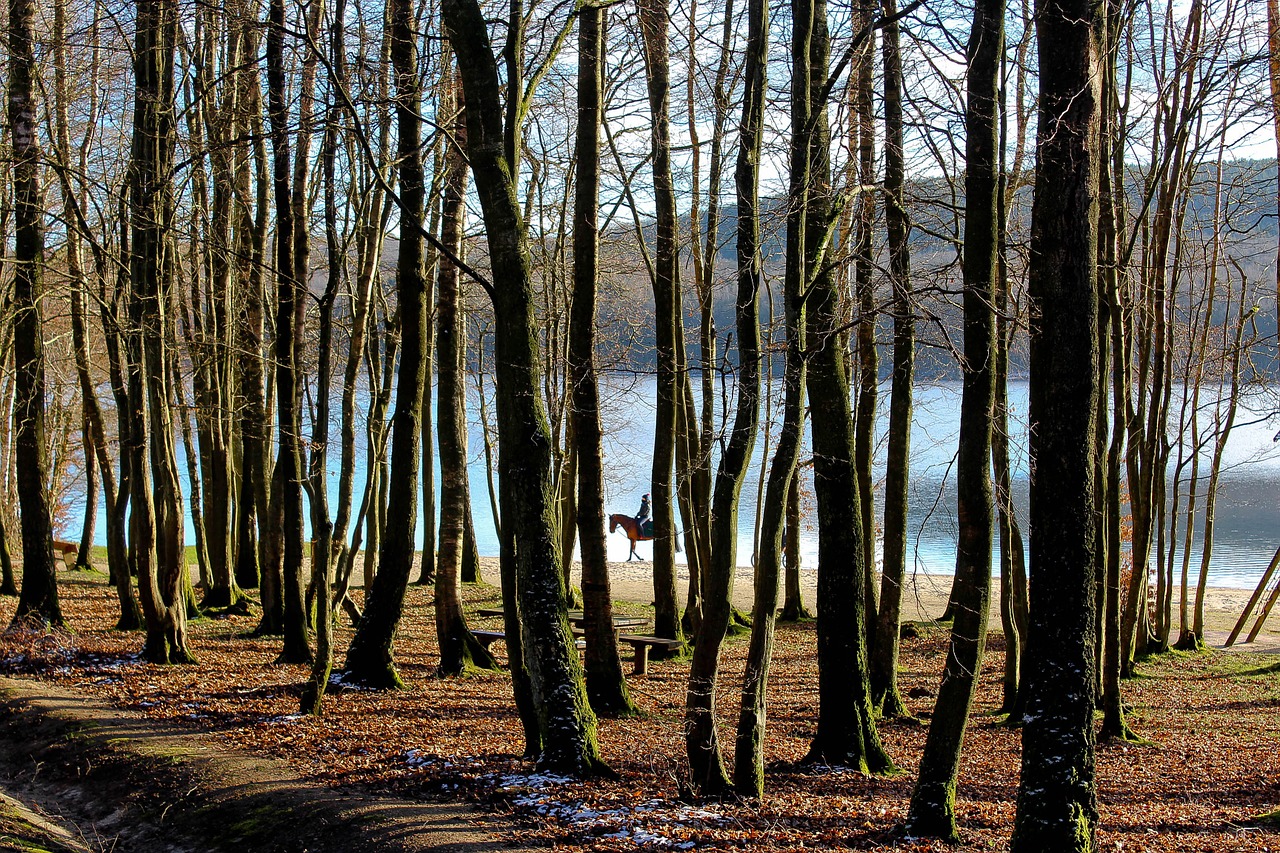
(1211, 766)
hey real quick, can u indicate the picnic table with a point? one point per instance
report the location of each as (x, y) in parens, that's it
(577, 618)
(640, 644)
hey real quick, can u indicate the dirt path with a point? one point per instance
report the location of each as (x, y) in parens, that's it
(78, 775)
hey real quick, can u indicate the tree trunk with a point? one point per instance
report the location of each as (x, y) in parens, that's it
(606, 683)
(868, 357)
(1111, 335)
(566, 724)
(654, 30)
(706, 767)
(933, 808)
(459, 650)
(155, 500)
(289, 313)
(1057, 799)
(846, 733)
(793, 609)
(38, 604)
(369, 658)
(884, 661)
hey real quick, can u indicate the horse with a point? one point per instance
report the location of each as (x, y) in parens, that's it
(631, 528)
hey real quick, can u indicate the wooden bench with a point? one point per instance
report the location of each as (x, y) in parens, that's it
(488, 638)
(642, 646)
(69, 551)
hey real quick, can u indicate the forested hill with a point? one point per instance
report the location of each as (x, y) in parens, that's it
(1248, 236)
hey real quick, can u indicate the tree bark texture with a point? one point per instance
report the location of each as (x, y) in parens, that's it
(459, 650)
(566, 724)
(155, 500)
(846, 733)
(38, 602)
(1057, 799)
(884, 661)
(606, 683)
(289, 315)
(370, 656)
(933, 811)
(654, 26)
(702, 743)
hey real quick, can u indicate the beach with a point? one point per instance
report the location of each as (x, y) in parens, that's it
(924, 598)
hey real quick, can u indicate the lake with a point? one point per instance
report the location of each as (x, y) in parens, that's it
(1246, 527)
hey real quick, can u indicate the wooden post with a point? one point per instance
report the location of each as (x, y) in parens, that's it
(1253, 600)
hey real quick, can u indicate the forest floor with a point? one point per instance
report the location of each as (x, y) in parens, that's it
(1210, 767)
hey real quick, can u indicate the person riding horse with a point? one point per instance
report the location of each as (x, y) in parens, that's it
(642, 516)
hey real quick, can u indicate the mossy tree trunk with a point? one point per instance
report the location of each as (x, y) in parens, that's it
(846, 731)
(1057, 794)
(8, 581)
(933, 807)
(566, 724)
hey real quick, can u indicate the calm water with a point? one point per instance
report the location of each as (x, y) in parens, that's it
(1247, 532)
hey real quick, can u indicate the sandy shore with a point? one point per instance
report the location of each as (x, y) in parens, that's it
(924, 598)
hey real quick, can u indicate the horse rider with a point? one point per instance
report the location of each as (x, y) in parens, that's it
(642, 515)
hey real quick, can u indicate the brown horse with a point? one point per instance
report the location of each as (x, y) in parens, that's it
(631, 528)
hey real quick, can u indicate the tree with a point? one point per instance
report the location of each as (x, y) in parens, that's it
(862, 170)
(369, 658)
(1057, 809)
(39, 599)
(155, 498)
(290, 471)
(606, 683)
(530, 541)
(459, 650)
(884, 661)
(846, 732)
(702, 744)
(932, 810)
(654, 21)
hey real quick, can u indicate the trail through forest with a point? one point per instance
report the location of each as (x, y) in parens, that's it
(212, 753)
(81, 776)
